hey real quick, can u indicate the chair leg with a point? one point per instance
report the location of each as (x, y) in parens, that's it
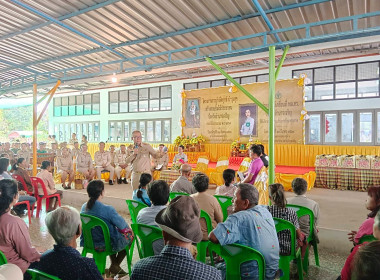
(28, 207)
(129, 258)
(284, 265)
(139, 248)
(100, 260)
(316, 256)
(305, 261)
(39, 206)
(299, 267)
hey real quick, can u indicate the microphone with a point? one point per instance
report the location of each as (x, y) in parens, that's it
(136, 145)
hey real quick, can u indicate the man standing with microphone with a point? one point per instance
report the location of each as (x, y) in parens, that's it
(139, 158)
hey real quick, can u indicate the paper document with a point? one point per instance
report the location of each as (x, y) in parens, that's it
(158, 167)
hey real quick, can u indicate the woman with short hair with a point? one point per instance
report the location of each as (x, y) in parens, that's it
(14, 234)
(64, 261)
(47, 177)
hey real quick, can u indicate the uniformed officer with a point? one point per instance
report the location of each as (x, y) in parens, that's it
(120, 161)
(139, 158)
(84, 163)
(247, 127)
(42, 148)
(65, 167)
(162, 161)
(75, 150)
(103, 162)
(6, 150)
(113, 154)
(24, 153)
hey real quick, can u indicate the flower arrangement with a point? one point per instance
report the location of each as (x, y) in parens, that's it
(182, 140)
(177, 165)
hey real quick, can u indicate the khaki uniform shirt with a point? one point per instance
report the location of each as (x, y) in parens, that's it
(25, 155)
(113, 155)
(102, 158)
(84, 160)
(65, 163)
(121, 158)
(75, 152)
(164, 160)
(141, 162)
(9, 153)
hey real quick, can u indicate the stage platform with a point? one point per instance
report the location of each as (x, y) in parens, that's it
(341, 211)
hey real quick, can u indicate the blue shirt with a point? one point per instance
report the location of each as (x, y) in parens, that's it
(174, 263)
(144, 196)
(253, 228)
(113, 220)
(67, 264)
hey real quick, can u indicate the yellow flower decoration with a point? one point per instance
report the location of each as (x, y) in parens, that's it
(183, 123)
(301, 81)
(183, 94)
(233, 89)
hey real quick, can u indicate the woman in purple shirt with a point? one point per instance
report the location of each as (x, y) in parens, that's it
(255, 166)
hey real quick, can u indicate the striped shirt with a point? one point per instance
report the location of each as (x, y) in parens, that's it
(284, 237)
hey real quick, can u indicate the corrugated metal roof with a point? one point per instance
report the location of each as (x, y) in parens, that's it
(113, 31)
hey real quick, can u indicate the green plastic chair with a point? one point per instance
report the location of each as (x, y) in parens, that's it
(134, 208)
(202, 246)
(39, 275)
(234, 255)
(88, 223)
(225, 202)
(303, 211)
(3, 259)
(295, 254)
(173, 195)
(147, 235)
(367, 238)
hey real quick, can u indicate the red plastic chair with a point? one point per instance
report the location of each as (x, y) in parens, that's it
(28, 207)
(38, 181)
(22, 181)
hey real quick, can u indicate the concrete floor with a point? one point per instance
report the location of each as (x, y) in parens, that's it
(341, 211)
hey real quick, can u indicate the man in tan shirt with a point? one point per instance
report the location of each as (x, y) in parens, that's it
(139, 158)
(120, 162)
(162, 161)
(65, 167)
(207, 203)
(112, 154)
(103, 162)
(84, 163)
(24, 153)
(75, 150)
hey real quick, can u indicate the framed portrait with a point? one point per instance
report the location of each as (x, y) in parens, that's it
(248, 119)
(192, 116)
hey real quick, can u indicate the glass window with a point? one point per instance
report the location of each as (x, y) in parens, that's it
(378, 127)
(143, 94)
(347, 127)
(149, 131)
(113, 101)
(368, 88)
(248, 80)
(190, 86)
(167, 131)
(345, 90)
(118, 132)
(308, 93)
(142, 129)
(71, 105)
(133, 127)
(365, 129)
(112, 131)
(345, 73)
(324, 75)
(133, 106)
(133, 95)
(204, 84)
(368, 70)
(126, 132)
(79, 106)
(67, 134)
(96, 104)
(157, 131)
(84, 129)
(218, 83)
(330, 128)
(90, 132)
(309, 74)
(87, 104)
(323, 92)
(154, 93)
(57, 107)
(154, 105)
(315, 129)
(96, 132)
(61, 135)
(143, 105)
(123, 101)
(65, 106)
(166, 104)
(166, 92)
(263, 78)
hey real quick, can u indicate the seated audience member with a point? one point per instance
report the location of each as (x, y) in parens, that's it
(180, 155)
(24, 153)
(228, 189)
(162, 161)
(16, 147)
(14, 234)
(47, 178)
(158, 193)
(207, 203)
(182, 184)
(84, 140)
(20, 169)
(366, 265)
(112, 154)
(84, 163)
(372, 203)
(255, 165)
(299, 187)
(42, 148)
(346, 271)
(6, 150)
(10, 271)
(180, 228)
(121, 164)
(4, 168)
(251, 225)
(75, 150)
(65, 167)
(120, 233)
(278, 210)
(264, 156)
(140, 194)
(64, 261)
(73, 139)
(54, 149)
(103, 161)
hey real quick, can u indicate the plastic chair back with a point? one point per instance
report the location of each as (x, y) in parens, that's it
(234, 255)
(22, 182)
(3, 259)
(147, 235)
(202, 164)
(173, 195)
(225, 202)
(286, 225)
(38, 182)
(222, 164)
(304, 211)
(202, 245)
(39, 275)
(134, 208)
(367, 238)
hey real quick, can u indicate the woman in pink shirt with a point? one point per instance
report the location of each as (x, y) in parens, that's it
(255, 166)
(14, 234)
(372, 204)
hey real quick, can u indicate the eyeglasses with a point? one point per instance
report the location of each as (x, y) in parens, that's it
(136, 137)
